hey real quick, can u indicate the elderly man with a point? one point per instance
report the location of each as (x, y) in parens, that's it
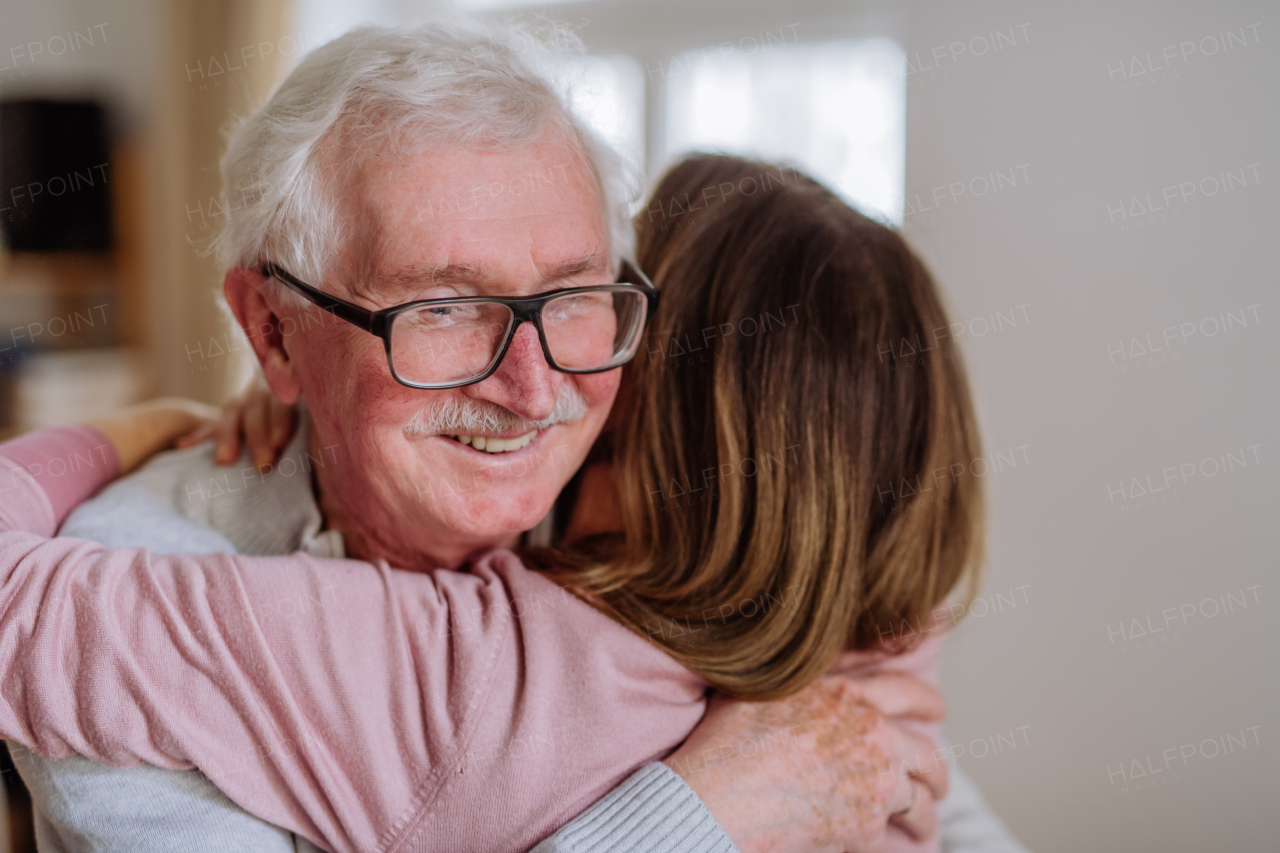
(391, 167)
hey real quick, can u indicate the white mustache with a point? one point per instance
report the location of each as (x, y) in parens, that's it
(466, 416)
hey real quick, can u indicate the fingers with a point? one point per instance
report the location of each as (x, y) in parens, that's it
(202, 433)
(257, 430)
(904, 795)
(206, 415)
(916, 756)
(920, 818)
(255, 418)
(282, 418)
(897, 694)
(226, 435)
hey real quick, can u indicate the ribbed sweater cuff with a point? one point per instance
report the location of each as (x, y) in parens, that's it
(653, 811)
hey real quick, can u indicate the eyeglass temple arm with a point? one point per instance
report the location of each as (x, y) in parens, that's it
(629, 273)
(362, 317)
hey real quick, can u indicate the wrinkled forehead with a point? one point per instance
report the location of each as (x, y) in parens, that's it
(508, 214)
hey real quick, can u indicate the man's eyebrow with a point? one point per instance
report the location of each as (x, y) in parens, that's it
(452, 274)
(448, 274)
(569, 269)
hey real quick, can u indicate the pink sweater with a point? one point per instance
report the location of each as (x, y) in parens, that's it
(363, 707)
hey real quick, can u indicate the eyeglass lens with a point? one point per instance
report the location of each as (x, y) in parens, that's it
(454, 342)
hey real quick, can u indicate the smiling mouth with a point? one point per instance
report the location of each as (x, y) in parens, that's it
(489, 444)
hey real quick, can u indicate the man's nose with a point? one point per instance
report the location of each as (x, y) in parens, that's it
(523, 382)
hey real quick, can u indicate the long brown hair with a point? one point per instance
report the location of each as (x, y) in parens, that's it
(787, 482)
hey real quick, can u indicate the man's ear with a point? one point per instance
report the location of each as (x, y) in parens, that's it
(256, 308)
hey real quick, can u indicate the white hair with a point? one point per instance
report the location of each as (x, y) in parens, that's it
(441, 85)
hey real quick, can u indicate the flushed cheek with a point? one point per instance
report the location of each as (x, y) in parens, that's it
(599, 388)
(376, 408)
(348, 385)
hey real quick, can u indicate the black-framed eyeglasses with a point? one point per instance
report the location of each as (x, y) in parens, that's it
(446, 343)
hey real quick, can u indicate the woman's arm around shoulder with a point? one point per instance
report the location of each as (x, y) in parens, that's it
(290, 681)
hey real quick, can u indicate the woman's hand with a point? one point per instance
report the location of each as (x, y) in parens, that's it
(822, 769)
(254, 416)
(139, 432)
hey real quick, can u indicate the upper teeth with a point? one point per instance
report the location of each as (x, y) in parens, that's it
(497, 445)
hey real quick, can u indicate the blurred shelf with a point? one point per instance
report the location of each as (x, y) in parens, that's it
(57, 301)
(69, 273)
(69, 386)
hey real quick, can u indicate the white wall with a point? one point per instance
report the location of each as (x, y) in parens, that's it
(116, 55)
(1092, 560)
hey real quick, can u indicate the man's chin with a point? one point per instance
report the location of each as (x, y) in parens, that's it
(491, 501)
(489, 526)
(488, 497)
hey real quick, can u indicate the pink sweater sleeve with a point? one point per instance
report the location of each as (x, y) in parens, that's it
(66, 465)
(362, 707)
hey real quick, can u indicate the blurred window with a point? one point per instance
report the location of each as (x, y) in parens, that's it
(834, 108)
(608, 93)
